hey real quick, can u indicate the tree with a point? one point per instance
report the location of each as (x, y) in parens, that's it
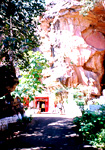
(30, 80)
(18, 29)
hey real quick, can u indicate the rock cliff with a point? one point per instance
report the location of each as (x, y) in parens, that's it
(78, 44)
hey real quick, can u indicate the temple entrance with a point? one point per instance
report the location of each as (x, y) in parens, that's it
(42, 103)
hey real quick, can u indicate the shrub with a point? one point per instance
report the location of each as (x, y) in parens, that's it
(99, 141)
(91, 126)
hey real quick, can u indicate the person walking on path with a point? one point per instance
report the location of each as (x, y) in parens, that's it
(60, 107)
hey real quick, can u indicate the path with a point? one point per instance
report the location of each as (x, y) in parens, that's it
(47, 133)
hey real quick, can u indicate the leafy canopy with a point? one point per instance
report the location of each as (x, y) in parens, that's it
(30, 82)
(18, 29)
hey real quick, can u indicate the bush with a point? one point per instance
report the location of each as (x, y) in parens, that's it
(25, 120)
(92, 127)
(99, 141)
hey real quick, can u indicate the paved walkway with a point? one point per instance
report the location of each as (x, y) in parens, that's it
(47, 132)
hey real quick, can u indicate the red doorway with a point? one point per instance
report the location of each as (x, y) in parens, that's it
(42, 103)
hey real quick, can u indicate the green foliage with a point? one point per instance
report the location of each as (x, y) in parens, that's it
(25, 120)
(88, 5)
(30, 80)
(78, 95)
(99, 141)
(92, 127)
(18, 29)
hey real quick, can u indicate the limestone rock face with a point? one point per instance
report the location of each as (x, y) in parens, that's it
(94, 33)
(78, 42)
(94, 38)
(96, 64)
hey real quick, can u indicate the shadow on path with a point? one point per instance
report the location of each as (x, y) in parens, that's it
(47, 133)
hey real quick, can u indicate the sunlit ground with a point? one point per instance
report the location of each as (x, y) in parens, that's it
(53, 131)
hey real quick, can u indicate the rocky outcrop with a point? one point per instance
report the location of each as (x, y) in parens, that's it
(94, 34)
(78, 42)
(96, 64)
(94, 38)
